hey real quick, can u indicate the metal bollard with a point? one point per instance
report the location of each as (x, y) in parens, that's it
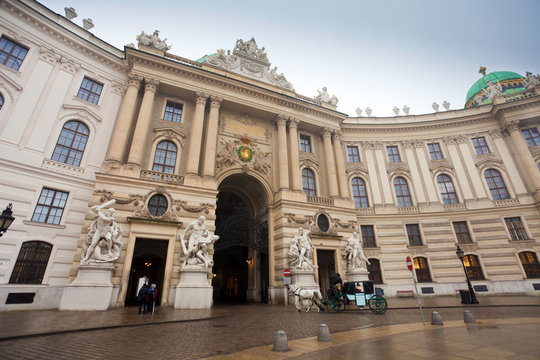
(280, 343)
(324, 333)
(468, 317)
(436, 318)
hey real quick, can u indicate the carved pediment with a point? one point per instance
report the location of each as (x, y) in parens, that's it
(440, 168)
(308, 158)
(82, 112)
(397, 168)
(489, 162)
(357, 170)
(170, 134)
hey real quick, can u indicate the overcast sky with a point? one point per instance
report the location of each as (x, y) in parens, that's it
(375, 53)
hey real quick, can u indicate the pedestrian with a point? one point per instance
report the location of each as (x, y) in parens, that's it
(151, 299)
(141, 298)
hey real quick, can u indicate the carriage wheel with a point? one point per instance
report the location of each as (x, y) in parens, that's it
(331, 305)
(377, 304)
(340, 305)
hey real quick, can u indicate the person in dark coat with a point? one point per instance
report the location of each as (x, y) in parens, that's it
(141, 298)
(151, 299)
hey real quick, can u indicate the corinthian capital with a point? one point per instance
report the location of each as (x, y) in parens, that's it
(449, 140)
(151, 85)
(281, 120)
(326, 133)
(510, 125)
(200, 97)
(215, 101)
(336, 135)
(134, 80)
(293, 123)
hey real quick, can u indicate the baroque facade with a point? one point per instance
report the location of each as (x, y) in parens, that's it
(227, 137)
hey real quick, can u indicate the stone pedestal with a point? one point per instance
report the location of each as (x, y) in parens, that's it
(193, 291)
(304, 279)
(357, 275)
(91, 290)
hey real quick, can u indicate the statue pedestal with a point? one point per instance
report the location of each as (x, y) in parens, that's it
(193, 291)
(358, 275)
(304, 279)
(91, 290)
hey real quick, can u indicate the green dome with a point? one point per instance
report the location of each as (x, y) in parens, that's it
(511, 82)
(201, 60)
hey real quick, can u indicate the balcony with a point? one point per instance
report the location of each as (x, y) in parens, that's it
(320, 200)
(162, 177)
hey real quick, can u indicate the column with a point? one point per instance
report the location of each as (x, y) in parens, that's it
(460, 171)
(424, 170)
(123, 121)
(143, 122)
(283, 165)
(416, 179)
(211, 136)
(194, 150)
(330, 163)
(502, 148)
(471, 166)
(340, 166)
(372, 171)
(380, 158)
(296, 177)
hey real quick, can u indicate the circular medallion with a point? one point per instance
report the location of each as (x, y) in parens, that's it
(245, 153)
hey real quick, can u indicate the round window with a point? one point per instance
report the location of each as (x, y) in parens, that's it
(323, 223)
(158, 205)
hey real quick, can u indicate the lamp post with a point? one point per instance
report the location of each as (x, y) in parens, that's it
(461, 255)
(6, 219)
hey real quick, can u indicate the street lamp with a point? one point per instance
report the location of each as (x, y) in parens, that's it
(6, 219)
(461, 255)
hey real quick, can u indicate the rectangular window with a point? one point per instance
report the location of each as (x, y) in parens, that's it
(531, 136)
(462, 232)
(173, 112)
(516, 228)
(50, 206)
(11, 54)
(90, 91)
(435, 151)
(352, 154)
(413, 232)
(368, 236)
(480, 145)
(393, 154)
(305, 143)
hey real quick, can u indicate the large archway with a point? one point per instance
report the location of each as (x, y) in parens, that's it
(241, 254)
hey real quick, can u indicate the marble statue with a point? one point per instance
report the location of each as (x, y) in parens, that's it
(396, 110)
(493, 90)
(354, 254)
(153, 41)
(196, 249)
(446, 105)
(103, 242)
(406, 109)
(368, 111)
(478, 99)
(325, 97)
(251, 49)
(435, 106)
(358, 111)
(531, 81)
(301, 250)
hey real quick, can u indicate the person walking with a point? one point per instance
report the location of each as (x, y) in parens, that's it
(151, 299)
(141, 298)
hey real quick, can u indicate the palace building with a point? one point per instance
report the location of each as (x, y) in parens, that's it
(227, 137)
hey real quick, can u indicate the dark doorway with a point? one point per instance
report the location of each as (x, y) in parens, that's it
(149, 257)
(327, 269)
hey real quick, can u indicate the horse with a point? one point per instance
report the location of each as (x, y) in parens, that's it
(306, 297)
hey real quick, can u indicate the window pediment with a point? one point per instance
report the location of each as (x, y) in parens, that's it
(170, 134)
(82, 112)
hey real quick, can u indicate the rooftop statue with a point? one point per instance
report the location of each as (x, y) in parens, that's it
(326, 98)
(250, 48)
(493, 90)
(153, 41)
(531, 81)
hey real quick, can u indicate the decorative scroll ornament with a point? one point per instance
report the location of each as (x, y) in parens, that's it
(243, 152)
(205, 207)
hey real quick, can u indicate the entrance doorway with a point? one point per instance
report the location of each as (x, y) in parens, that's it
(327, 269)
(241, 253)
(148, 264)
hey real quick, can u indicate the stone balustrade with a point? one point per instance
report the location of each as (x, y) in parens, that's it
(505, 203)
(162, 177)
(320, 200)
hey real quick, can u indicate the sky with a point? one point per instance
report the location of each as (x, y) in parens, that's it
(369, 53)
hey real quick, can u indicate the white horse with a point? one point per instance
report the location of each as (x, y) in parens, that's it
(306, 297)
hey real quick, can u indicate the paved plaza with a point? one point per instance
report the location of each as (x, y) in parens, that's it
(506, 327)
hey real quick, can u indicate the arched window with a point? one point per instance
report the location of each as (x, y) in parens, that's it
(359, 193)
(31, 263)
(158, 205)
(530, 264)
(375, 273)
(70, 146)
(1, 101)
(308, 182)
(446, 187)
(496, 184)
(472, 265)
(402, 192)
(422, 269)
(165, 159)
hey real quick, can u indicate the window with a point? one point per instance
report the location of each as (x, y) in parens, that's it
(402, 192)
(305, 143)
(422, 269)
(480, 145)
(1, 101)
(393, 154)
(158, 205)
(516, 228)
(435, 151)
(359, 193)
(496, 185)
(71, 143)
(11, 54)
(323, 223)
(352, 154)
(472, 265)
(413, 232)
(530, 264)
(50, 206)
(531, 136)
(446, 187)
(31, 263)
(90, 91)
(173, 112)
(462, 232)
(375, 273)
(368, 236)
(165, 158)
(308, 182)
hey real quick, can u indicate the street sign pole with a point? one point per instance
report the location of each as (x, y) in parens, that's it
(411, 269)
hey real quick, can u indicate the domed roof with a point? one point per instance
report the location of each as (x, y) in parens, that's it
(511, 82)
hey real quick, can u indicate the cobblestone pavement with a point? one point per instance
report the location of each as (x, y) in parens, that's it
(226, 330)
